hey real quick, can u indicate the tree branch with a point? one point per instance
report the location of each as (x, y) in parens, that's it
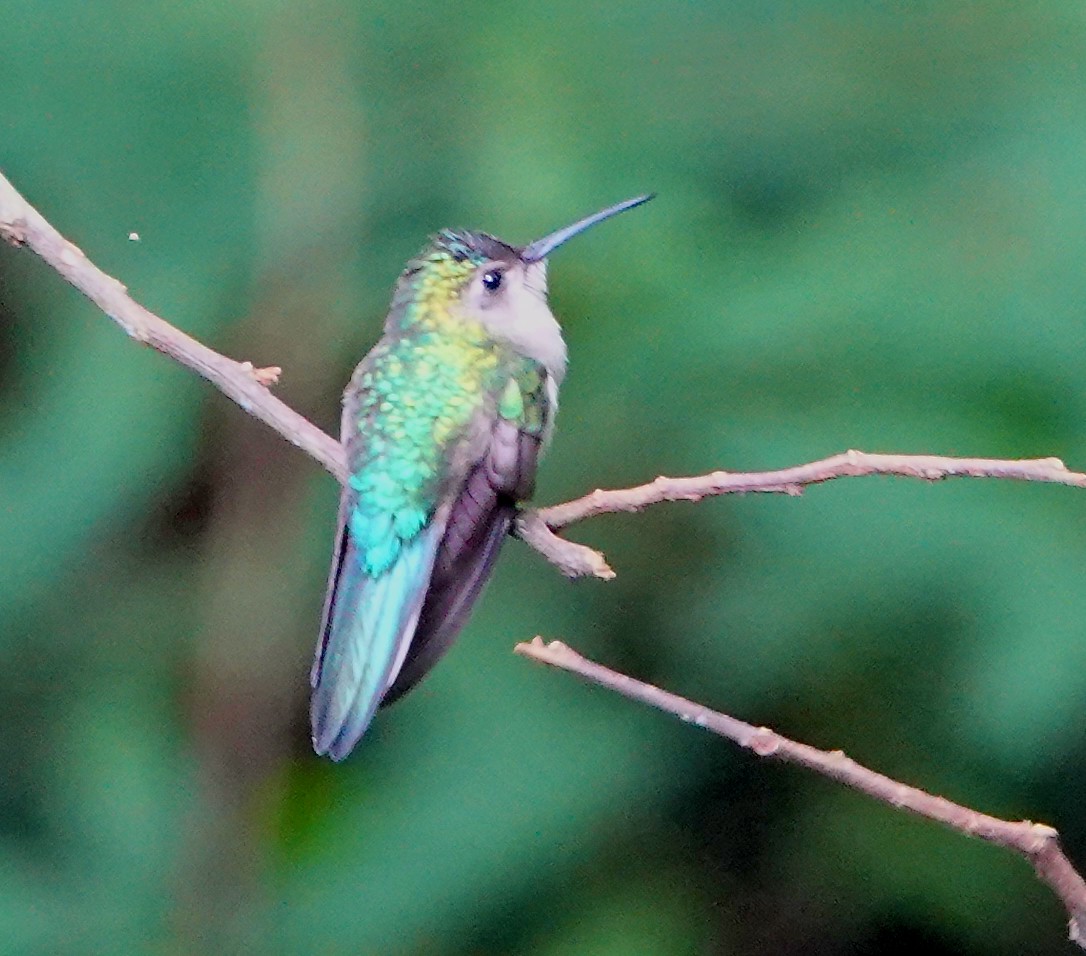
(538, 527)
(1038, 843)
(792, 481)
(22, 224)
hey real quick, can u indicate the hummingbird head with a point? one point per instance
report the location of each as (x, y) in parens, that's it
(474, 277)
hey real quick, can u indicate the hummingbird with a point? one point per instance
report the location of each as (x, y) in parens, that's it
(443, 425)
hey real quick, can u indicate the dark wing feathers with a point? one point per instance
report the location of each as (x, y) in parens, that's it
(476, 527)
(382, 634)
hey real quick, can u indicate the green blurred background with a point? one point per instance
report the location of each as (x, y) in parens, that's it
(870, 233)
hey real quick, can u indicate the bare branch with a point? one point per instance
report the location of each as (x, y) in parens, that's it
(585, 562)
(22, 224)
(1038, 843)
(792, 481)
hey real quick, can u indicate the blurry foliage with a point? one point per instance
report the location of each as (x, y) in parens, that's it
(869, 234)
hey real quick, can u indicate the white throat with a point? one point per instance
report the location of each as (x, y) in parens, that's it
(525, 322)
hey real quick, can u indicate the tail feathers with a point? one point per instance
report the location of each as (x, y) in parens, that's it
(369, 629)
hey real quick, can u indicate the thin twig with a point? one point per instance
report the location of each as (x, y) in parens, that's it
(1038, 843)
(572, 559)
(21, 224)
(537, 528)
(792, 481)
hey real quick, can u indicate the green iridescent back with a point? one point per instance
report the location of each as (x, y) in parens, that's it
(414, 400)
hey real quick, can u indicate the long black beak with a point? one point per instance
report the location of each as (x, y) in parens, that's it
(542, 248)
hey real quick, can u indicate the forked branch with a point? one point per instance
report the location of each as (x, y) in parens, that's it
(21, 224)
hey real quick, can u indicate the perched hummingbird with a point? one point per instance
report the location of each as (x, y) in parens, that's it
(443, 423)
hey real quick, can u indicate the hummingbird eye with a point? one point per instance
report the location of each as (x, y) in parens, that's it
(492, 280)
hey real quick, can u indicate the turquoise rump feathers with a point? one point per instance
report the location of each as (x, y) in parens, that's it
(443, 424)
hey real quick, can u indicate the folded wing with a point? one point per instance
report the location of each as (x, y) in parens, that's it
(477, 524)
